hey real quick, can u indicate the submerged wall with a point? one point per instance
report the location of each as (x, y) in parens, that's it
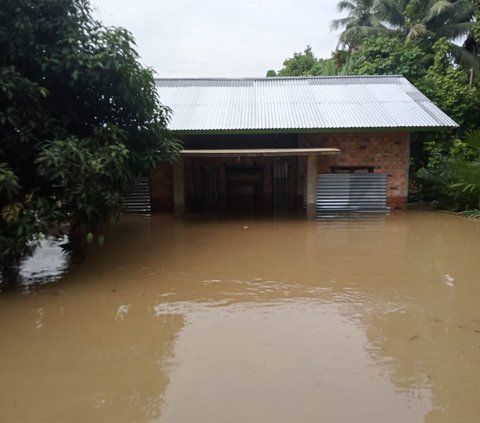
(383, 152)
(161, 188)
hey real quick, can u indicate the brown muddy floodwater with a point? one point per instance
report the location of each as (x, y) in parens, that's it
(341, 320)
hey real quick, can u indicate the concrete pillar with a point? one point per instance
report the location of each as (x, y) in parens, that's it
(179, 188)
(311, 186)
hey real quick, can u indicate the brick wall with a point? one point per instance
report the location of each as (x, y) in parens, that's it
(161, 188)
(386, 152)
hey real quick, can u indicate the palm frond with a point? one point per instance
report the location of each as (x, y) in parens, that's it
(472, 138)
(474, 213)
(465, 58)
(345, 5)
(464, 11)
(340, 23)
(389, 11)
(329, 68)
(416, 31)
(438, 8)
(470, 43)
(356, 34)
(374, 22)
(466, 187)
(455, 30)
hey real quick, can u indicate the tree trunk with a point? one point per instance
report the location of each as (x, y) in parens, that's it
(78, 241)
(10, 273)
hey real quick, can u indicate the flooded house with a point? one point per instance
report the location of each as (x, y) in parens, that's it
(290, 146)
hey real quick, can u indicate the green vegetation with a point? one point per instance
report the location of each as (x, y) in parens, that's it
(79, 121)
(390, 56)
(448, 86)
(307, 64)
(424, 21)
(452, 175)
(419, 40)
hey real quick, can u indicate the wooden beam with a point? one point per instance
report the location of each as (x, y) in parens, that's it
(179, 188)
(260, 152)
(312, 186)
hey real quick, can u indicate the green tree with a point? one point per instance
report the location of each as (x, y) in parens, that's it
(472, 42)
(307, 64)
(300, 64)
(452, 175)
(448, 86)
(80, 119)
(426, 20)
(476, 29)
(390, 56)
(360, 23)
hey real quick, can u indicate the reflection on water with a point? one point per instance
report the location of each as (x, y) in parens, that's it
(365, 320)
(47, 264)
(304, 360)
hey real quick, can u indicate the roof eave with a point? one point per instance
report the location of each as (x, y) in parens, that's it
(309, 130)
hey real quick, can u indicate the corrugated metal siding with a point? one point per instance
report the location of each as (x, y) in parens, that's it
(138, 199)
(298, 103)
(351, 192)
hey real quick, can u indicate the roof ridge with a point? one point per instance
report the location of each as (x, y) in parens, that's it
(276, 78)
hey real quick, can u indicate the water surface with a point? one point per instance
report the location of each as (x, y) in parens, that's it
(341, 320)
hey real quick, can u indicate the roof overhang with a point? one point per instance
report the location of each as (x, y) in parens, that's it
(260, 152)
(309, 131)
(301, 104)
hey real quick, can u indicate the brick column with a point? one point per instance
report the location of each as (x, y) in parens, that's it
(311, 186)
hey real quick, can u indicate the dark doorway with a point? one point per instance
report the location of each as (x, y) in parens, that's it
(280, 189)
(245, 188)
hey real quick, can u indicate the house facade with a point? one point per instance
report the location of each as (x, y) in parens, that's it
(289, 146)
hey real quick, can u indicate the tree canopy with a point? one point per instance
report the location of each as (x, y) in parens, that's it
(80, 119)
(421, 20)
(306, 63)
(389, 56)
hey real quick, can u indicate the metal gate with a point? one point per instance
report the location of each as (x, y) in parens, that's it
(138, 198)
(280, 189)
(351, 192)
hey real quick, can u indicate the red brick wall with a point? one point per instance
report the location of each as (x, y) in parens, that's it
(387, 152)
(161, 188)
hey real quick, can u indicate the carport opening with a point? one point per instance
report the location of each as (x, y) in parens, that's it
(252, 182)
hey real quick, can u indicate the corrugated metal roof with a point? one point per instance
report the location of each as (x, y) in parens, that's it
(298, 103)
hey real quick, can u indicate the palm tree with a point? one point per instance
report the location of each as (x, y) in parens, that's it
(427, 20)
(431, 20)
(360, 22)
(472, 42)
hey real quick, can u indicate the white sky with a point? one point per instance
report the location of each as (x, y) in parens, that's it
(222, 38)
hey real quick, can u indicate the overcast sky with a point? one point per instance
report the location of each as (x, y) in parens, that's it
(222, 38)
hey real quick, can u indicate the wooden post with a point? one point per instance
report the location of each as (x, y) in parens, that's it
(179, 188)
(312, 186)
